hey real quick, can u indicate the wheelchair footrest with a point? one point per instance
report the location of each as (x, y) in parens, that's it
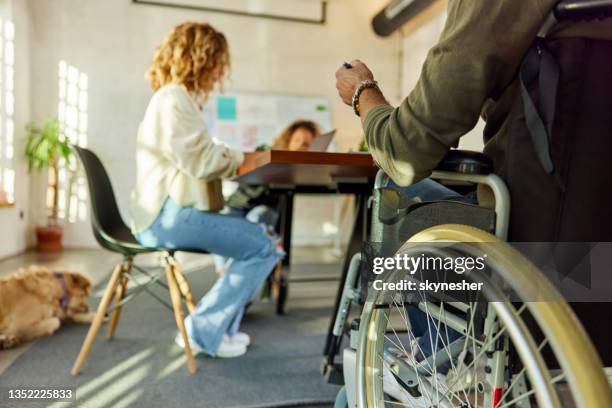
(333, 373)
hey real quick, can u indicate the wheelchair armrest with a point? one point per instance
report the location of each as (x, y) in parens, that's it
(466, 162)
(583, 10)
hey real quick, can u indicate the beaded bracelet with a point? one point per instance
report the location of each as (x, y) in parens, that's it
(368, 83)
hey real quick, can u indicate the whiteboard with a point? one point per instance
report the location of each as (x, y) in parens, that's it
(245, 120)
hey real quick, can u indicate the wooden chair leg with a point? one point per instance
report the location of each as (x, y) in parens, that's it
(184, 287)
(97, 322)
(175, 295)
(120, 292)
(276, 278)
(283, 291)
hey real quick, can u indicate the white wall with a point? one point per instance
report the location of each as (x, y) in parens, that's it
(14, 221)
(112, 41)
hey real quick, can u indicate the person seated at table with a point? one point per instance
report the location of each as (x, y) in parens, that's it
(297, 137)
(177, 196)
(256, 203)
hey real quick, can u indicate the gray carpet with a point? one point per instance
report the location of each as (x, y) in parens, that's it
(141, 367)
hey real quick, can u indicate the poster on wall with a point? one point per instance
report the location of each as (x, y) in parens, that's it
(245, 120)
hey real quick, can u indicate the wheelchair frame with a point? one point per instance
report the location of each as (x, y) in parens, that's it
(351, 285)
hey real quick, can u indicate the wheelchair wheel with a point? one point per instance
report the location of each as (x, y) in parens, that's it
(480, 354)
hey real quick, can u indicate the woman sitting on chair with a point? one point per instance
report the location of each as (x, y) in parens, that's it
(178, 186)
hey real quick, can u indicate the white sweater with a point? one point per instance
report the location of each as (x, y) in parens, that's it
(176, 157)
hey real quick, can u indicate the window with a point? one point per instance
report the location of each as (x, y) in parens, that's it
(7, 109)
(72, 116)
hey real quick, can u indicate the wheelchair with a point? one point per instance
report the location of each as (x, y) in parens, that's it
(519, 344)
(497, 360)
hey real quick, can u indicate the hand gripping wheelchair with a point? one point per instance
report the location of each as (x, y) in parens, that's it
(527, 349)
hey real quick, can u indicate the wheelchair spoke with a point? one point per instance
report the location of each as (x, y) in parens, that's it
(475, 357)
(396, 403)
(412, 340)
(447, 392)
(400, 346)
(410, 355)
(423, 383)
(517, 399)
(452, 363)
(465, 386)
(520, 373)
(439, 388)
(434, 346)
(484, 348)
(529, 393)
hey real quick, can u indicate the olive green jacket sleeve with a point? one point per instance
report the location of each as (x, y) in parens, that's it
(476, 58)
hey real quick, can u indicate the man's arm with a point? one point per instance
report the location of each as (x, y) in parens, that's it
(370, 98)
(476, 59)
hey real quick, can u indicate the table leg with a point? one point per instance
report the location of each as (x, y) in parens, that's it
(282, 278)
(358, 236)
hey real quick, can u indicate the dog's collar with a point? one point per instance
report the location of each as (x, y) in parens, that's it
(64, 299)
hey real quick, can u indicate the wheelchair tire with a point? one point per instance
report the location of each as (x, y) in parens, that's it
(581, 368)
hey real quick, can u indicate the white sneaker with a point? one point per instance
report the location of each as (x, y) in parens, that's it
(195, 349)
(230, 349)
(226, 349)
(239, 337)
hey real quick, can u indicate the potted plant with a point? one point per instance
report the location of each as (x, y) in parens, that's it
(45, 146)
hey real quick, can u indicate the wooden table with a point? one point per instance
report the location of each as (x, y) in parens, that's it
(288, 173)
(284, 167)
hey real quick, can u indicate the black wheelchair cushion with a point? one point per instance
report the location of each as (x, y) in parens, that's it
(425, 215)
(466, 162)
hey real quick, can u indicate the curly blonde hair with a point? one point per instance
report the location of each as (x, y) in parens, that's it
(192, 54)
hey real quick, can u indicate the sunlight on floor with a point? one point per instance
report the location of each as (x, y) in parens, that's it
(117, 381)
(177, 363)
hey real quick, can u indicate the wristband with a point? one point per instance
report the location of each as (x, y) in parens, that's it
(368, 83)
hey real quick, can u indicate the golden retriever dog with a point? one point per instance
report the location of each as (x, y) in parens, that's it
(34, 302)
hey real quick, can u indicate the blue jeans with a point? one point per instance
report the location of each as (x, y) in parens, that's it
(253, 251)
(430, 190)
(260, 214)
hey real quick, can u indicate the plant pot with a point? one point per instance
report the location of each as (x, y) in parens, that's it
(49, 238)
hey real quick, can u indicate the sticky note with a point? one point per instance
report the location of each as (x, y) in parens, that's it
(226, 108)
